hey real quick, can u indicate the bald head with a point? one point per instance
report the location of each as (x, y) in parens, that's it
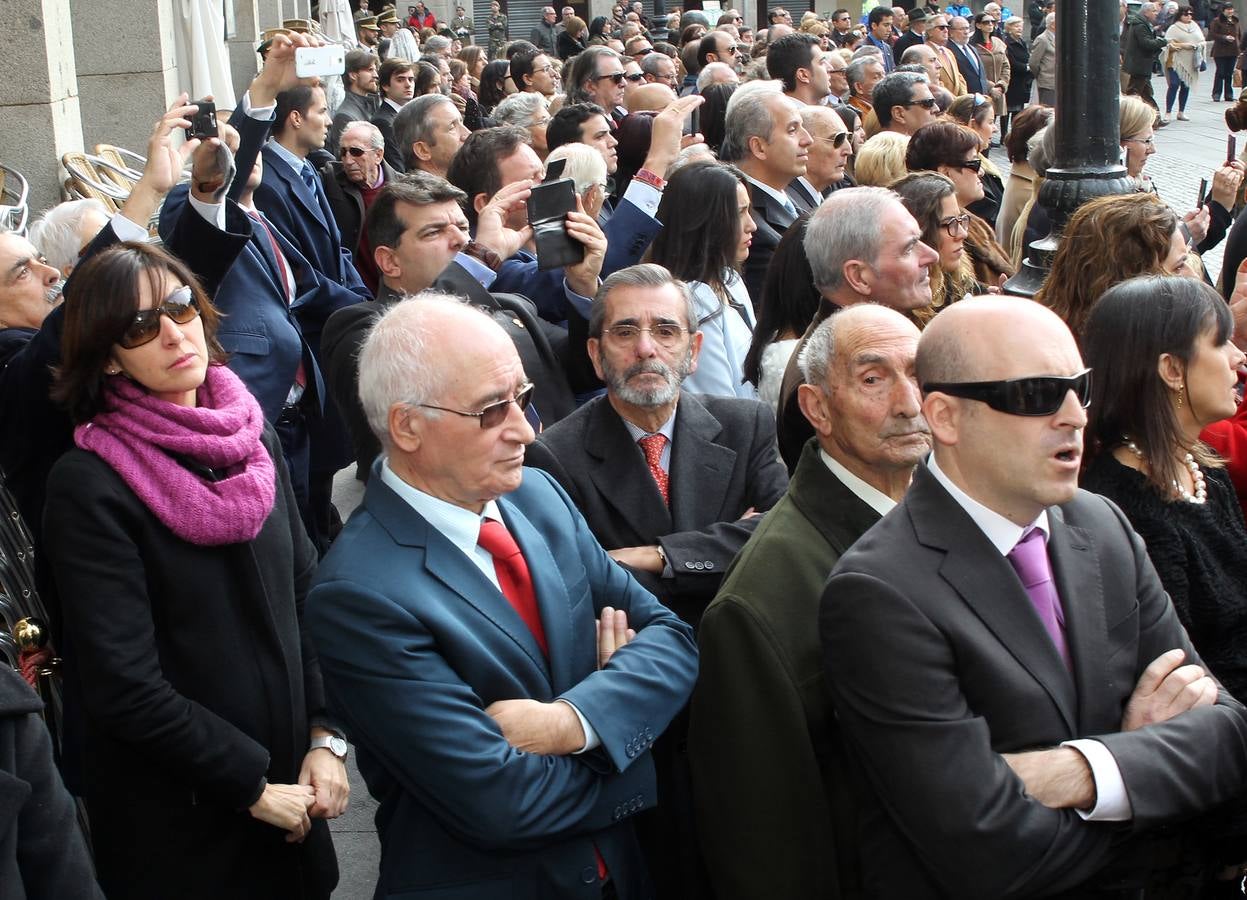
(979, 339)
(649, 98)
(1015, 460)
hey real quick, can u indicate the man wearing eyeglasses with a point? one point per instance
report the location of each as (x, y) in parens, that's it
(597, 76)
(842, 28)
(825, 166)
(1039, 710)
(903, 103)
(671, 484)
(352, 185)
(718, 46)
(937, 39)
(457, 624)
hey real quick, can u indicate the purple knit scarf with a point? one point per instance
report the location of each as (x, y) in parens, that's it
(136, 433)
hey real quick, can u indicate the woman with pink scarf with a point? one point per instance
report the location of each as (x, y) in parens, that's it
(208, 763)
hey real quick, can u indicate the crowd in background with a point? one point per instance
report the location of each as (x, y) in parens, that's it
(639, 331)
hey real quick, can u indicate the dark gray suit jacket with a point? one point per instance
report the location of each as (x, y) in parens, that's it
(384, 120)
(938, 663)
(772, 220)
(722, 463)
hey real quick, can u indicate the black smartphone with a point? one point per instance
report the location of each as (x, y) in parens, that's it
(1231, 145)
(548, 206)
(1203, 193)
(203, 123)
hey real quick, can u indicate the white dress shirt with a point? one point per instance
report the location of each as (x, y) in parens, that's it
(867, 493)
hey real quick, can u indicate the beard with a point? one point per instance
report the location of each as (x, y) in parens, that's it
(617, 382)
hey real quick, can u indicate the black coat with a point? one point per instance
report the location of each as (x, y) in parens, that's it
(194, 677)
(1017, 95)
(42, 853)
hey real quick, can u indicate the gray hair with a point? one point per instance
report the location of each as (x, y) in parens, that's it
(1051, 17)
(819, 352)
(896, 89)
(395, 366)
(55, 233)
(1013, 19)
(582, 67)
(644, 275)
(519, 109)
(867, 51)
(748, 115)
(435, 45)
(651, 62)
(1041, 150)
(847, 225)
(585, 165)
(855, 72)
(413, 124)
(376, 140)
(710, 74)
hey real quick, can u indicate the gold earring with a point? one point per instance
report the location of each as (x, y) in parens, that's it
(1179, 390)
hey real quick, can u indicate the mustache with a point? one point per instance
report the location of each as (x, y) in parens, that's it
(652, 367)
(53, 294)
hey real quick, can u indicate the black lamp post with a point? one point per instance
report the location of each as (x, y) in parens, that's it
(1087, 162)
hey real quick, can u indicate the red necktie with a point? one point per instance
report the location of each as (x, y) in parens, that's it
(517, 587)
(652, 446)
(513, 577)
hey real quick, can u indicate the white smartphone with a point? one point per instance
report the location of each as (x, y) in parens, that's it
(318, 61)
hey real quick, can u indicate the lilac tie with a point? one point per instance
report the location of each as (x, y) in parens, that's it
(1029, 558)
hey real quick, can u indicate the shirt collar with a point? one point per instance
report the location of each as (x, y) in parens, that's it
(1002, 533)
(395, 106)
(460, 526)
(779, 196)
(867, 493)
(287, 157)
(667, 430)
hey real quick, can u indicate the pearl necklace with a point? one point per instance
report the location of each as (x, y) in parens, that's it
(1197, 477)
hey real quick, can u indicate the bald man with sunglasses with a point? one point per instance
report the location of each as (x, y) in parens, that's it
(1039, 711)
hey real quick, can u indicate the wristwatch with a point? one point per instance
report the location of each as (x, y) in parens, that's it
(331, 742)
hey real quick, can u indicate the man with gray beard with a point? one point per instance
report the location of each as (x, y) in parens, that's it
(671, 484)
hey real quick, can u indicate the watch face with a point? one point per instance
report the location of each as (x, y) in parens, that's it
(337, 746)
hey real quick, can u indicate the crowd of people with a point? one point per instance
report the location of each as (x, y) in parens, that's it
(728, 532)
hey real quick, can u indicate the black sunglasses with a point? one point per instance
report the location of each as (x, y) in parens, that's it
(1041, 395)
(974, 165)
(636, 76)
(617, 77)
(356, 152)
(180, 306)
(496, 413)
(929, 103)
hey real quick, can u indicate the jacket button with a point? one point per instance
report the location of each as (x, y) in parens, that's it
(699, 566)
(688, 564)
(589, 874)
(709, 564)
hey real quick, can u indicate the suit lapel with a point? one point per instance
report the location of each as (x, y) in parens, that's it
(991, 589)
(294, 185)
(449, 565)
(800, 196)
(620, 474)
(1078, 584)
(840, 515)
(699, 467)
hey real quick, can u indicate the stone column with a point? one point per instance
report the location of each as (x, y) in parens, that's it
(1088, 152)
(127, 74)
(39, 95)
(244, 61)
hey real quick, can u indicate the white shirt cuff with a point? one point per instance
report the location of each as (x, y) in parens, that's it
(644, 196)
(592, 740)
(1112, 803)
(260, 113)
(127, 230)
(212, 212)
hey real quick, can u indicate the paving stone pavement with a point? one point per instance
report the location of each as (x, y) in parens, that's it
(1185, 153)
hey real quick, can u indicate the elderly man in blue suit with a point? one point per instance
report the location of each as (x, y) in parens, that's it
(504, 731)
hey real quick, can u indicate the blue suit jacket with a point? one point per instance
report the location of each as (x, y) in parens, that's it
(415, 642)
(311, 239)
